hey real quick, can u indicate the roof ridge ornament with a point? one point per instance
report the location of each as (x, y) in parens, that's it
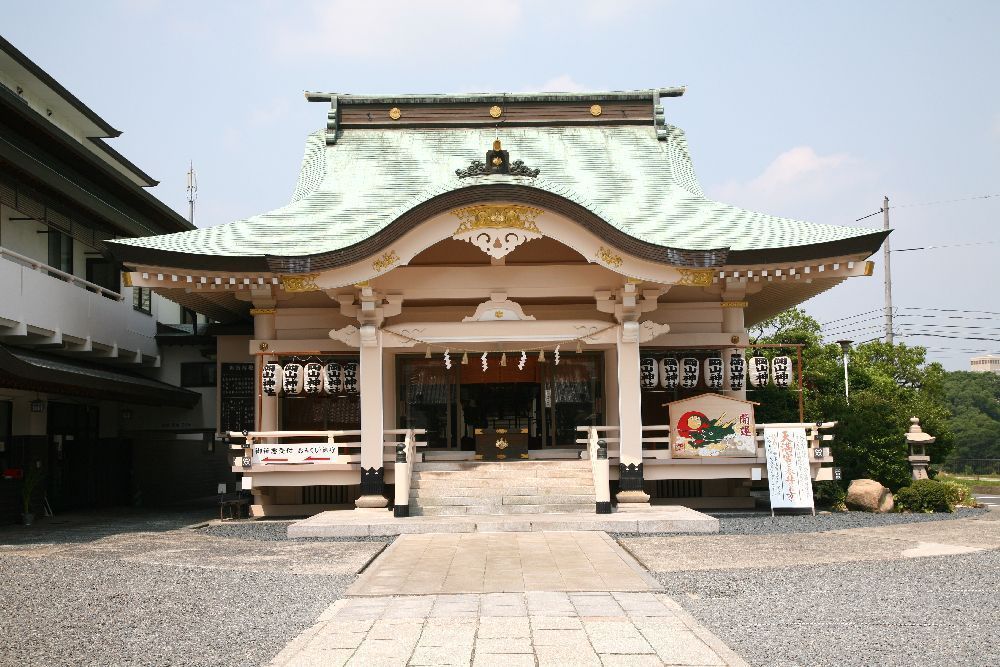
(497, 162)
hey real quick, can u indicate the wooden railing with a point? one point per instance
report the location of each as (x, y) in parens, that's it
(660, 433)
(41, 267)
(334, 441)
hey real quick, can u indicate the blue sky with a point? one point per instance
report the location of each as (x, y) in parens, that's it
(804, 109)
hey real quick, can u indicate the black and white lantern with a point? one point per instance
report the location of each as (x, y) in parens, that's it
(649, 373)
(669, 373)
(689, 373)
(737, 371)
(351, 378)
(333, 383)
(759, 371)
(270, 379)
(781, 371)
(713, 372)
(292, 381)
(314, 378)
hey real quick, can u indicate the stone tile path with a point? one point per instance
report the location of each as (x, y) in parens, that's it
(559, 598)
(508, 629)
(503, 562)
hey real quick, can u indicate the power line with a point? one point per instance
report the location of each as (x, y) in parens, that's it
(938, 247)
(950, 310)
(944, 201)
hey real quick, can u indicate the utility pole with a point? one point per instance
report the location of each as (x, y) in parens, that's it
(192, 191)
(888, 276)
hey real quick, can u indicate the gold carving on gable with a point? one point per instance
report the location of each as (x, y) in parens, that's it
(384, 262)
(496, 111)
(609, 257)
(595, 110)
(395, 113)
(497, 229)
(304, 282)
(696, 277)
(734, 304)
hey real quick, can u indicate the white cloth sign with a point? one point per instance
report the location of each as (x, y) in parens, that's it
(781, 371)
(689, 373)
(299, 454)
(669, 373)
(759, 371)
(649, 376)
(270, 379)
(713, 373)
(737, 371)
(787, 454)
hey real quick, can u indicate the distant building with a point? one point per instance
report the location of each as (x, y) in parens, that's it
(986, 363)
(87, 398)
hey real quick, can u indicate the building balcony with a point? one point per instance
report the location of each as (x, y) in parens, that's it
(42, 306)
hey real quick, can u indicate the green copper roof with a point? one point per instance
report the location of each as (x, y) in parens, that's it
(349, 191)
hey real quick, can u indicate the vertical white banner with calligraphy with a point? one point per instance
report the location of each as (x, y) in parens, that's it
(787, 453)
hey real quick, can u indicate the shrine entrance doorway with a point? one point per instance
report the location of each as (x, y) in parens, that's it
(538, 406)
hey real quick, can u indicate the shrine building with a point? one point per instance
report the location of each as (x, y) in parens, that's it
(463, 281)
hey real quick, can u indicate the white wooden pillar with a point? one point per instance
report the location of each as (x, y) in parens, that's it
(629, 416)
(733, 324)
(264, 330)
(372, 434)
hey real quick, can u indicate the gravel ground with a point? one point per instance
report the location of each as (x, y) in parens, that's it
(150, 592)
(920, 611)
(762, 523)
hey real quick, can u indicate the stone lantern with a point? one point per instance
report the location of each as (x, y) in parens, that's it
(917, 441)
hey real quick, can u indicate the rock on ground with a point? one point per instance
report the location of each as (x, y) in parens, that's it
(869, 496)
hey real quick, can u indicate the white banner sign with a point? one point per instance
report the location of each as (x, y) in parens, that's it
(297, 454)
(787, 453)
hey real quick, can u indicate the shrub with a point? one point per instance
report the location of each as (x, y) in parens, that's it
(926, 495)
(960, 494)
(829, 495)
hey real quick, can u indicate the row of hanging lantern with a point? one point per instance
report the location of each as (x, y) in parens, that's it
(313, 378)
(670, 373)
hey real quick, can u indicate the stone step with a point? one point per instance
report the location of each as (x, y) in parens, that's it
(576, 490)
(496, 501)
(501, 474)
(464, 510)
(500, 465)
(479, 483)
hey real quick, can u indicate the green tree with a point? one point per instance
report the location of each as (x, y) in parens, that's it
(888, 384)
(975, 400)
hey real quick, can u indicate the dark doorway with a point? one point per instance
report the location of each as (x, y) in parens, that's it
(84, 471)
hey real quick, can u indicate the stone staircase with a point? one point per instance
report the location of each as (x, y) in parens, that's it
(459, 488)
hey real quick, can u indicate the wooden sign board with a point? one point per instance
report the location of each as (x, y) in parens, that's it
(712, 425)
(788, 477)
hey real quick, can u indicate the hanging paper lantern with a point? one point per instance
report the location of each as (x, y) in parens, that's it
(759, 370)
(292, 380)
(331, 378)
(713, 372)
(781, 371)
(351, 378)
(737, 370)
(270, 379)
(689, 373)
(314, 378)
(669, 373)
(649, 373)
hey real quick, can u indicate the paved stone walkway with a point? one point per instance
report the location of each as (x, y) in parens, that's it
(503, 562)
(540, 598)
(509, 630)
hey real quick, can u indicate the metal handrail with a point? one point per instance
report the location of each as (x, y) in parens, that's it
(42, 267)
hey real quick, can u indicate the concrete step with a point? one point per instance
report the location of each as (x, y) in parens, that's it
(474, 501)
(464, 510)
(514, 463)
(501, 474)
(479, 483)
(575, 490)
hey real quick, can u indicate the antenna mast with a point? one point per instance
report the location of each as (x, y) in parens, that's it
(192, 191)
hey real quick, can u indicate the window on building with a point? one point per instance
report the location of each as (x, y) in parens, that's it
(198, 374)
(105, 273)
(142, 300)
(60, 251)
(188, 316)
